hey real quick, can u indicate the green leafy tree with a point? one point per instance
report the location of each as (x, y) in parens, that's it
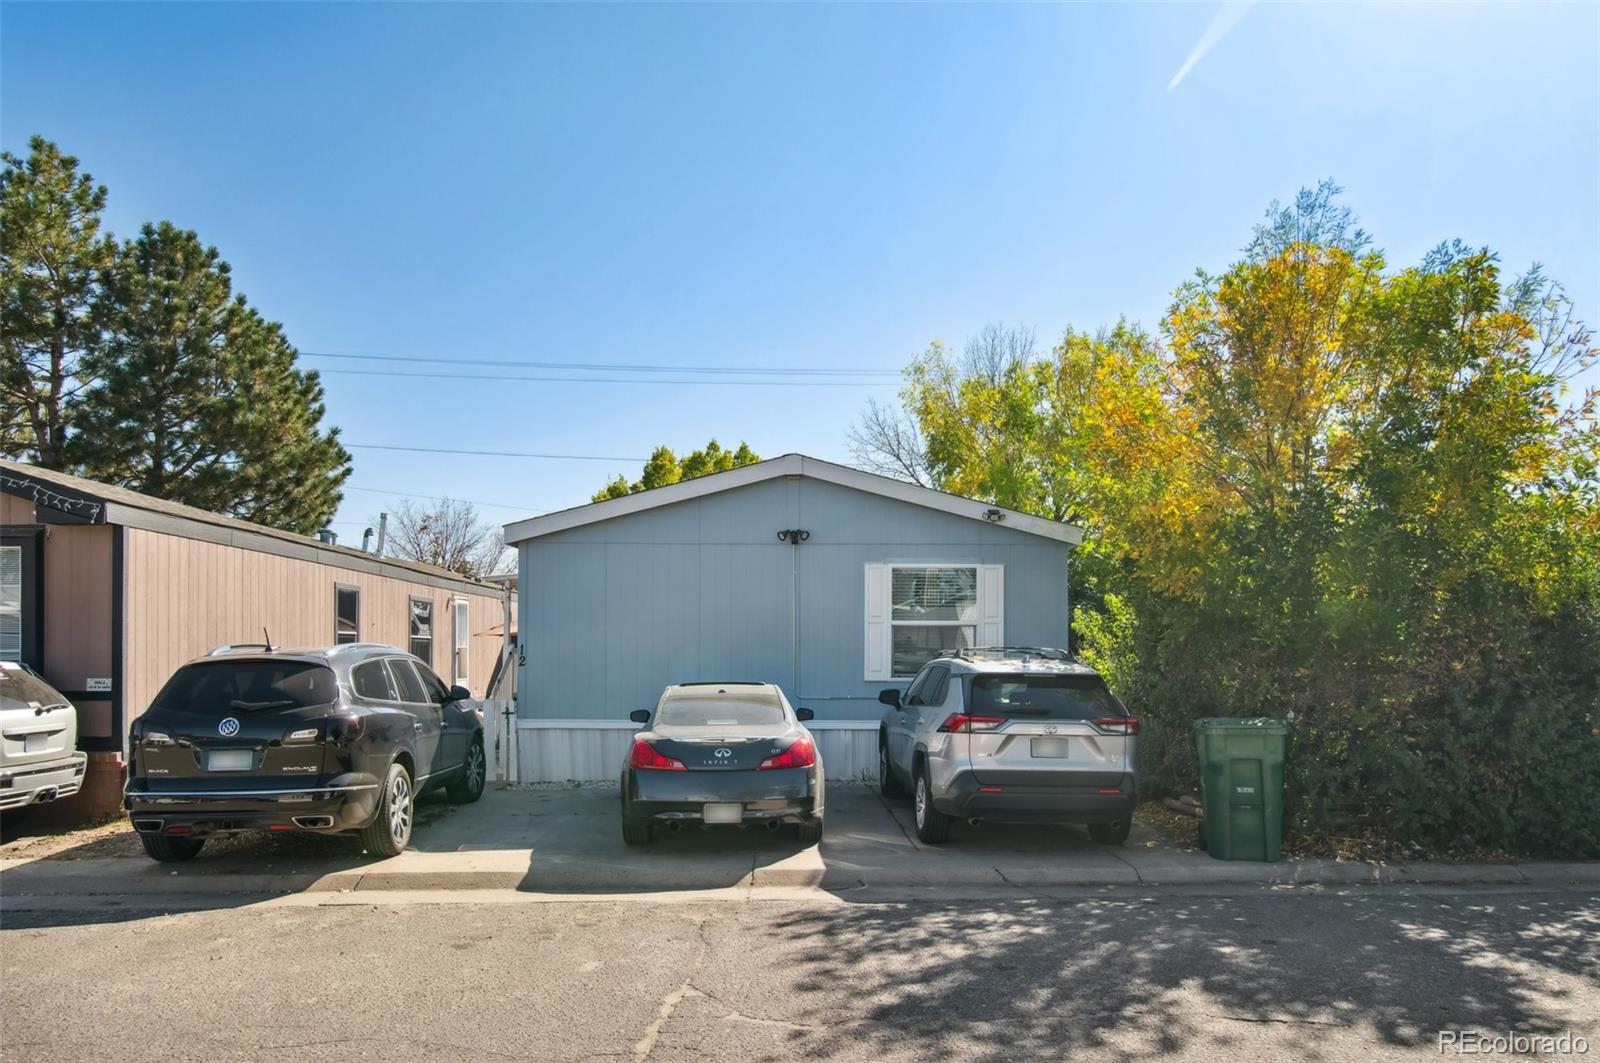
(52, 255)
(196, 398)
(664, 467)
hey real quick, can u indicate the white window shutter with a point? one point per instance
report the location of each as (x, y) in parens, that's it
(879, 636)
(991, 605)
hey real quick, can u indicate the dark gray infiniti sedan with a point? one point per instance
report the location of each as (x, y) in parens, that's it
(722, 753)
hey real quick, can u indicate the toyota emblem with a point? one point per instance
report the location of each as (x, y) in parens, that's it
(228, 727)
(723, 753)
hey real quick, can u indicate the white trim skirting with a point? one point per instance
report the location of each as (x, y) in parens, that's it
(594, 750)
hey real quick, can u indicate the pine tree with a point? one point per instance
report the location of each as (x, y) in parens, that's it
(52, 255)
(196, 397)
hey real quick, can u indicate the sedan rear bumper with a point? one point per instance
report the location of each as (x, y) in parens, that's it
(1032, 803)
(784, 794)
(346, 802)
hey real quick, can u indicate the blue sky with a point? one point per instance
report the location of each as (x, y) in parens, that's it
(771, 187)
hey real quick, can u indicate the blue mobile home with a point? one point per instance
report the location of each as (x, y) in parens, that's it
(832, 582)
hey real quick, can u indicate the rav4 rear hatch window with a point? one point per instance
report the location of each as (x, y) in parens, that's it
(221, 688)
(1045, 697)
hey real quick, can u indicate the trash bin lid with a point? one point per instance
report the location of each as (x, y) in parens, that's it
(1241, 725)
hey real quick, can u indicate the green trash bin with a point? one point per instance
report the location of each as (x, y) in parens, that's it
(1241, 783)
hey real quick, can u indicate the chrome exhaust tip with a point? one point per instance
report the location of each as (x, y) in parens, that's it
(975, 821)
(773, 825)
(313, 822)
(147, 826)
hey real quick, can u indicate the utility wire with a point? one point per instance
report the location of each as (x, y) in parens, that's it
(613, 367)
(486, 453)
(612, 380)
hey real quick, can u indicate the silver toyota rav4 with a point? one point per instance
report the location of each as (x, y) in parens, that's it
(1011, 734)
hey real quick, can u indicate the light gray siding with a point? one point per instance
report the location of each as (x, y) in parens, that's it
(613, 611)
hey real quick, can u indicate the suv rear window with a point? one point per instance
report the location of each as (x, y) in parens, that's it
(725, 711)
(18, 684)
(1051, 697)
(223, 687)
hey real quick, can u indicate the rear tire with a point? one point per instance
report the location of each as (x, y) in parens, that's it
(170, 849)
(933, 826)
(888, 785)
(390, 830)
(809, 831)
(468, 786)
(1113, 833)
(637, 831)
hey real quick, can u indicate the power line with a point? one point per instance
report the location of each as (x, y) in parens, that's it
(440, 498)
(487, 453)
(614, 367)
(613, 380)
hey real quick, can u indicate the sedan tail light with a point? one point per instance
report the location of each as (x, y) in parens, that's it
(961, 723)
(800, 754)
(1118, 725)
(646, 755)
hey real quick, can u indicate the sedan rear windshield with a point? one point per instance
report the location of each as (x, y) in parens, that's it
(723, 711)
(223, 688)
(1052, 697)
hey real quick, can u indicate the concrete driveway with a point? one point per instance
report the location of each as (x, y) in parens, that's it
(567, 840)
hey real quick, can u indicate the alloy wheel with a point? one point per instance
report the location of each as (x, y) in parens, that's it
(922, 800)
(475, 768)
(400, 808)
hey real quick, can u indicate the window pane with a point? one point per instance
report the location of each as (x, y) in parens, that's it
(1050, 697)
(347, 610)
(421, 626)
(410, 686)
(915, 644)
(935, 594)
(728, 710)
(10, 603)
(223, 687)
(371, 681)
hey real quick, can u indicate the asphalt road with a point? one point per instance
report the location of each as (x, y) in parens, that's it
(1365, 973)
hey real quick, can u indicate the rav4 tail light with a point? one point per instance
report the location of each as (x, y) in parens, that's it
(646, 755)
(1118, 725)
(800, 754)
(961, 723)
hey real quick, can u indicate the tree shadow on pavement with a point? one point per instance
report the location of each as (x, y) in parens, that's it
(1138, 976)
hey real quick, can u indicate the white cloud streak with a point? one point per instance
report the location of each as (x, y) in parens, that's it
(1226, 17)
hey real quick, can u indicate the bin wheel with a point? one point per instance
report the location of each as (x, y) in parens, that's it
(1202, 836)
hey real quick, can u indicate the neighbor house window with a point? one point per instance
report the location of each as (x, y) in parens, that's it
(10, 603)
(422, 629)
(916, 612)
(346, 614)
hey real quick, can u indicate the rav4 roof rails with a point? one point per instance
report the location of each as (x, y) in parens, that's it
(972, 653)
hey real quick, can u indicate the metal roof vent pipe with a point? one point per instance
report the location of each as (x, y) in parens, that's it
(328, 537)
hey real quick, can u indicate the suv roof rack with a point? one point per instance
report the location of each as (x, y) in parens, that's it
(973, 653)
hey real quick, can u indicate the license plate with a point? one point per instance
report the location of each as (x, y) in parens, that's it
(230, 760)
(724, 813)
(1049, 747)
(36, 743)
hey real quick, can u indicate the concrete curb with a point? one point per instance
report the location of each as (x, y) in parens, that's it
(513, 870)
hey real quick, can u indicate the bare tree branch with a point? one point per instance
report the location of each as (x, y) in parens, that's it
(887, 442)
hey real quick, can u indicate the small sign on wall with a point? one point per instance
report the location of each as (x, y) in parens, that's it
(98, 686)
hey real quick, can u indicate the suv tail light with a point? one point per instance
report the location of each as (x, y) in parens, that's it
(344, 728)
(1118, 725)
(646, 755)
(961, 723)
(800, 754)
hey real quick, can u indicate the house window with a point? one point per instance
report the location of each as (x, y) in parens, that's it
(10, 603)
(931, 609)
(422, 629)
(462, 625)
(916, 612)
(346, 614)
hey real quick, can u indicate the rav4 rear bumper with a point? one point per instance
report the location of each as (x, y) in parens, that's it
(345, 802)
(1061, 803)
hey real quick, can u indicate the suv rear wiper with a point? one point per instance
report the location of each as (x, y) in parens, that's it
(254, 706)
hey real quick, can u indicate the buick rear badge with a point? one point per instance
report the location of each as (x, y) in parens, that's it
(228, 727)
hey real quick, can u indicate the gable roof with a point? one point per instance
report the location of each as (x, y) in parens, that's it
(77, 500)
(789, 465)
